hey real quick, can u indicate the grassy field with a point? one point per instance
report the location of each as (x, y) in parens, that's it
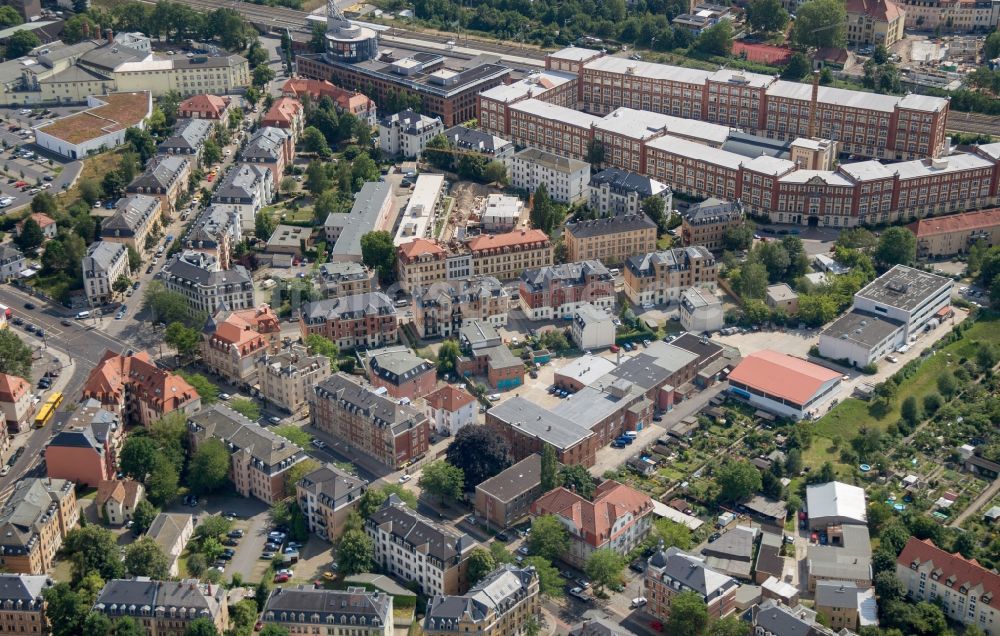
(94, 168)
(848, 417)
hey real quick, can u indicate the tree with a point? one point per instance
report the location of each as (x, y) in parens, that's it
(9, 17)
(481, 563)
(96, 624)
(314, 141)
(66, 609)
(543, 210)
(577, 478)
(209, 467)
(946, 384)
(142, 144)
(820, 23)
(688, 615)
(672, 534)
(447, 360)
(246, 407)
(991, 47)
(15, 356)
(165, 306)
(729, 626)
(43, 202)
(986, 357)
(243, 617)
(134, 260)
(550, 469)
(204, 387)
(737, 480)
(753, 280)
(738, 237)
(21, 43)
(317, 178)
(93, 549)
(550, 582)
(442, 479)
(604, 568)
(793, 462)
(30, 236)
(211, 152)
(183, 339)
(378, 252)
(480, 452)
(270, 629)
(767, 16)
(495, 172)
(896, 246)
(137, 456)
(910, 410)
(439, 152)
(716, 39)
(143, 515)
(201, 626)
(354, 552)
(322, 346)
(549, 538)
(145, 557)
(120, 286)
(264, 225)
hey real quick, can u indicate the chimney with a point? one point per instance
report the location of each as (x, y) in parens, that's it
(812, 105)
(111, 36)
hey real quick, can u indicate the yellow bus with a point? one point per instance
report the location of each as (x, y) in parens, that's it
(55, 400)
(48, 409)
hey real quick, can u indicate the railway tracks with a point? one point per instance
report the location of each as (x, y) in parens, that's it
(975, 123)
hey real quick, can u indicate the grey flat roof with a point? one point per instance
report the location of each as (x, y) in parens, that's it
(591, 405)
(903, 287)
(861, 327)
(539, 422)
(513, 481)
(362, 218)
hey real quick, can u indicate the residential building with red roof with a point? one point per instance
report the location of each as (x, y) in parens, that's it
(782, 384)
(232, 340)
(450, 409)
(285, 113)
(117, 499)
(421, 263)
(205, 107)
(15, 401)
(955, 234)
(44, 221)
(345, 101)
(135, 388)
(874, 22)
(967, 592)
(617, 518)
(505, 256)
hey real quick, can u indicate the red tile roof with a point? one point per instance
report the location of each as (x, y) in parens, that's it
(122, 491)
(510, 239)
(317, 89)
(245, 328)
(967, 572)
(164, 391)
(12, 387)
(211, 105)
(419, 247)
(882, 10)
(978, 220)
(595, 519)
(450, 398)
(284, 110)
(782, 375)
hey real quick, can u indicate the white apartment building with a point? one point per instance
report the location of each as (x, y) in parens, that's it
(247, 187)
(104, 263)
(198, 277)
(450, 409)
(565, 179)
(287, 378)
(592, 327)
(406, 133)
(615, 191)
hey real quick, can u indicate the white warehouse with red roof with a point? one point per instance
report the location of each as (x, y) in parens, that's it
(783, 384)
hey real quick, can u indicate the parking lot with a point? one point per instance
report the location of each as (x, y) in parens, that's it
(24, 166)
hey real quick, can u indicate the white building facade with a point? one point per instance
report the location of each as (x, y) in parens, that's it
(104, 264)
(566, 180)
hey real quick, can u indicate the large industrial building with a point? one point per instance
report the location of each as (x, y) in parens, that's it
(782, 384)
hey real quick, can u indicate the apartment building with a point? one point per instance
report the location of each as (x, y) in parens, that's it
(363, 416)
(955, 234)
(231, 341)
(450, 409)
(188, 139)
(611, 239)
(248, 187)
(505, 256)
(658, 278)
(700, 310)
(952, 16)
(401, 372)
(354, 611)
(271, 148)
(12, 262)
(86, 450)
(505, 499)
(420, 263)
(500, 213)
(216, 232)
(558, 290)
(164, 608)
(172, 531)
(345, 279)
(846, 605)
(874, 22)
(286, 113)
(16, 403)
(672, 571)
(133, 222)
(199, 277)
(23, 602)
(372, 211)
(592, 327)
(528, 427)
(565, 179)
(489, 146)
(344, 101)
(166, 178)
(327, 496)
(443, 309)
(260, 459)
(964, 588)
(134, 388)
(705, 223)
(363, 320)
(117, 498)
(616, 518)
(501, 604)
(34, 520)
(414, 548)
(104, 264)
(286, 378)
(614, 191)
(205, 106)
(406, 133)
(553, 86)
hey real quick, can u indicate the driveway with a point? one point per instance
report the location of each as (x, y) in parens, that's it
(253, 520)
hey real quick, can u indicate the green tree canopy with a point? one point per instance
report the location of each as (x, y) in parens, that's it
(716, 39)
(209, 468)
(480, 452)
(204, 387)
(15, 356)
(481, 563)
(577, 478)
(378, 252)
(767, 15)
(92, 549)
(447, 358)
(145, 557)
(550, 468)
(442, 479)
(549, 538)
(550, 582)
(354, 552)
(820, 23)
(184, 339)
(896, 246)
(688, 615)
(143, 515)
(21, 43)
(737, 480)
(604, 568)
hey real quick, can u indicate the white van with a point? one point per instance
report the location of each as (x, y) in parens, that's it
(631, 434)
(82, 315)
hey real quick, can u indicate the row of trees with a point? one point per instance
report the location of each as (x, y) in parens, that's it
(443, 154)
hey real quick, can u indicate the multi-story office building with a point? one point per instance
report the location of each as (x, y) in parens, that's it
(351, 612)
(501, 604)
(327, 496)
(565, 179)
(658, 278)
(616, 518)
(132, 222)
(368, 421)
(259, 459)
(232, 341)
(286, 378)
(446, 307)
(558, 290)
(705, 223)
(21, 596)
(558, 87)
(611, 239)
(956, 234)
(164, 608)
(614, 191)
(104, 264)
(672, 571)
(505, 256)
(33, 523)
(406, 133)
(134, 388)
(414, 548)
(363, 320)
(198, 277)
